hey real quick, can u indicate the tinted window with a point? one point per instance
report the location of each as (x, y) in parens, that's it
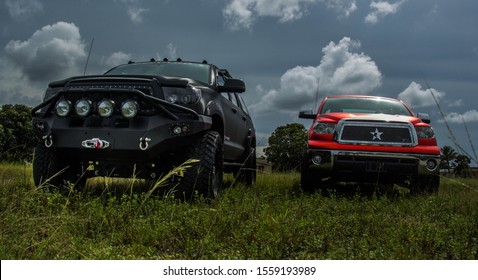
(243, 105)
(233, 99)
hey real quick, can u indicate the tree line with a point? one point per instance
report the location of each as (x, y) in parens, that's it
(286, 143)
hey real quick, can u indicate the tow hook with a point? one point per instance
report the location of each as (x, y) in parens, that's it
(144, 143)
(48, 140)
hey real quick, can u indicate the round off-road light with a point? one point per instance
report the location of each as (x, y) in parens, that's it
(432, 164)
(129, 109)
(177, 130)
(173, 98)
(63, 108)
(83, 107)
(106, 108)
(317, 159)
(185, 99)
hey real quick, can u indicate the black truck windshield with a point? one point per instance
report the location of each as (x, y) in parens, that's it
(195, 71)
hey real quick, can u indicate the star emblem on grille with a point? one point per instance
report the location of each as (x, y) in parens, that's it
(376, 134)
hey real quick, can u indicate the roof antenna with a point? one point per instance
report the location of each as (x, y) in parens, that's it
(469, 139)
(88, 58)
(450, 132)
(317, 96)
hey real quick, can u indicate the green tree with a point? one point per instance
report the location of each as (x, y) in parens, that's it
(462, 166)
(17, 138)
(286, 146)
(448, 155)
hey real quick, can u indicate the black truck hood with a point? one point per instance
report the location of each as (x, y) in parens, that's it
(161, 80)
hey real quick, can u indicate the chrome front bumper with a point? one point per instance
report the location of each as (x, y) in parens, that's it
(372, 162)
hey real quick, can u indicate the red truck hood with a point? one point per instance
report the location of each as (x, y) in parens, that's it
(336, 117)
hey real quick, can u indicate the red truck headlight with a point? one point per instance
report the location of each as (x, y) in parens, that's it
(324, 128)
(425, 132)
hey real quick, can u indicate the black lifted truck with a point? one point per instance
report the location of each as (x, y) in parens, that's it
(143, 119)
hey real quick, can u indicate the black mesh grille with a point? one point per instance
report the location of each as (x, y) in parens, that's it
(376, 133)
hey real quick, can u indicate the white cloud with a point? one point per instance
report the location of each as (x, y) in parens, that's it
(345, 71)
(341, 71)
(53, 52)
(116, 59)
(468, 116)
(343, 7)
(243, 13)
(417, 97)
(22, 9)
(134, 10)
(171, 51)
(382, 9)
(455, 103)
(136, 14)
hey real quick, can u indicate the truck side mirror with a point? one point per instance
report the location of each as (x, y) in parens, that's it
(233, 85)
(424, 117)
(307, 115)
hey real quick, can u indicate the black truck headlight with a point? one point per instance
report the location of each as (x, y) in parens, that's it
(63, 108)
(106, 108)
(83, 107)
(129, 109)
(182, 95)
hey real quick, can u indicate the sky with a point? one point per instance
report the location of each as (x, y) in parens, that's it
(289, 52)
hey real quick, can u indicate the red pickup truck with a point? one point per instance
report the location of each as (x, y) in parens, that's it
(356, 138)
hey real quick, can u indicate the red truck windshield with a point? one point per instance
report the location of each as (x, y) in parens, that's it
(364, 105)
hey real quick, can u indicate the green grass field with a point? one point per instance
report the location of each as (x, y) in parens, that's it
(271, 220)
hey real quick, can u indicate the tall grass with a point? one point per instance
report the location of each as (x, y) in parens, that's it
(271, 220)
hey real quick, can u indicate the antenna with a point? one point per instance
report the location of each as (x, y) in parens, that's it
(469, 139)
(450, 132)
(88, 58)
(316, 96)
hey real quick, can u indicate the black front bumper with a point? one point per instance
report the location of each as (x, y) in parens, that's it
(140, 139)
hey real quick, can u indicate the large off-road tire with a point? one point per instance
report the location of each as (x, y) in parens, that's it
(247, 173)
(204, 177)
(425, 185)
(50, 172)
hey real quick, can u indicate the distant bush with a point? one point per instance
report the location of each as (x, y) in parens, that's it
(286, 147)
(17, 139)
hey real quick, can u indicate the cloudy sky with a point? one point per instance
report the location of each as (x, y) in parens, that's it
(285, 50)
